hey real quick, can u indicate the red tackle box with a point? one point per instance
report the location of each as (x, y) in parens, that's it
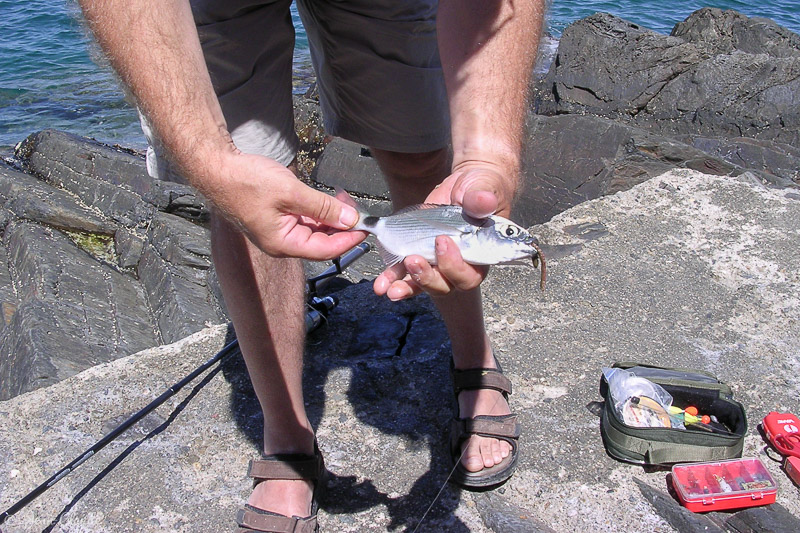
(720, 485)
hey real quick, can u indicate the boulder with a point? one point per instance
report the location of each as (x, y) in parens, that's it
(688, 82)
(95, 262)
(569, 159)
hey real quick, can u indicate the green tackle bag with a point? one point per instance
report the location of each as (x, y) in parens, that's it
(669, 445)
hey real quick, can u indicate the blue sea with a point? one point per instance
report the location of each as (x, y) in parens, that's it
(48, 78)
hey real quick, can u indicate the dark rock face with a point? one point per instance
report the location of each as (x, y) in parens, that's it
(621, 104)
(95, 262)
(719, 73)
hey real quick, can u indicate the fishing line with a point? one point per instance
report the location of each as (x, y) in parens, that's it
(441, 489)
(449, 475)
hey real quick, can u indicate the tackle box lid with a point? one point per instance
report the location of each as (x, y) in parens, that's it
(719, 485)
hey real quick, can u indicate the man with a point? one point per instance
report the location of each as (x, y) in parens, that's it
(381, 84)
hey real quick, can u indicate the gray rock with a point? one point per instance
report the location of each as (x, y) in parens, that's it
(178, 295)
(774, 518)
(680, 84)
(78, 311)
(771, 158)
(71, 163)
(31, 199)
(671, 277)
(678, 517)
(113, 180)
(569, 159)
(729, 30)
(81, 287)
(129, 248)
(180, 242)
(350, 166)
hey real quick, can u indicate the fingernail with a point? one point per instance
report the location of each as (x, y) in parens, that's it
(348, 216)
(441, 246)
(414, 268)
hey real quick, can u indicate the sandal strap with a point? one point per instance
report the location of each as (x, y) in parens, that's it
(504, 427)
(286, 466)
(274, 523)
(481, 378)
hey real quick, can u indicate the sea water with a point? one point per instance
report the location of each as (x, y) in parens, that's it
(51, 75)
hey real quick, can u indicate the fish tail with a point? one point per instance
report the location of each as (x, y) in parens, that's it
(366, 222)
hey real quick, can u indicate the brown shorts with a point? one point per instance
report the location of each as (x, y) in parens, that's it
(377, 64)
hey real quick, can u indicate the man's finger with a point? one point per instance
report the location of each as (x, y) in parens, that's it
(322, 207)
(452, 267)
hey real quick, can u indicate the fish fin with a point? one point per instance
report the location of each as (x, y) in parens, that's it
(389, 258)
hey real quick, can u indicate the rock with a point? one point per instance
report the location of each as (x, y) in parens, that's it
(774, 518)
(29, 198)
(663, 273)
(771, 158)
(685, 83)
(126, 272)
(179, 296)
(569, 159)
(108, 179)
(74, 312)
(350, 166)
(727, 31)
(677, 516)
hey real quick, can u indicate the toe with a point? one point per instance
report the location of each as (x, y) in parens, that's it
(473, 458)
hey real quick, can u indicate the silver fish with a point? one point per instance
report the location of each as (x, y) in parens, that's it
(489, 241)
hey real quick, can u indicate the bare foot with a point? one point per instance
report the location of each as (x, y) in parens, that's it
(285, 497)
(482, 452)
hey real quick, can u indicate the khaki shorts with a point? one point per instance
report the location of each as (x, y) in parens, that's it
(377, 63)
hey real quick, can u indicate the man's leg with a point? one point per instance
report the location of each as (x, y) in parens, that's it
(411, 177)
(265, 300)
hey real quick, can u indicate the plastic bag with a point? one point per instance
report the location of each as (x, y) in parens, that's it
(638, 401)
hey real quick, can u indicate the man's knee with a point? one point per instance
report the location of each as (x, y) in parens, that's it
(424, 166)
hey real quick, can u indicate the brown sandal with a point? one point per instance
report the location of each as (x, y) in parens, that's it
(284, 466)
(503, 427)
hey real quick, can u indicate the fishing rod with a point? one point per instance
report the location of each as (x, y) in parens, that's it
(318, 310)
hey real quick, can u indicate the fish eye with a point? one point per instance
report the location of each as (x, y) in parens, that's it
(511, 231)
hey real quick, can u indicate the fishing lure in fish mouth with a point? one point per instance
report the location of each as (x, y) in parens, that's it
(489, 241)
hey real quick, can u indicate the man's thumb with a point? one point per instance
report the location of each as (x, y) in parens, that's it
(326, 209)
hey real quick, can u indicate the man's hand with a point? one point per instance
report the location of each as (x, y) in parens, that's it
(280, 214)
(481, 190)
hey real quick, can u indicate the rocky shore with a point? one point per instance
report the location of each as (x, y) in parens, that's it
(661, 172)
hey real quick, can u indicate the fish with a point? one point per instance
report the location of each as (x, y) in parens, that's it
(488, 241)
